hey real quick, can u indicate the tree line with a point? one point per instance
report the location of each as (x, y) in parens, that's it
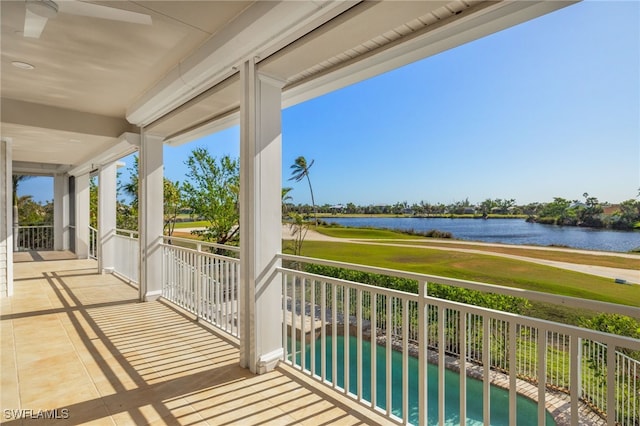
(589, 213)
(211, 188)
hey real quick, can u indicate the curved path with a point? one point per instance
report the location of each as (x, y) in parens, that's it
(631, 276)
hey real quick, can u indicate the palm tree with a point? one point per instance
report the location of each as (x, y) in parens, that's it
(286, 198)
(16, 221)
(300, 171)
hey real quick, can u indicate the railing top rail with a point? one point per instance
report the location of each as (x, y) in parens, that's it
(613, 339)
(202, 243)
(573, 302)
(204, 253)
(127, 231)
(352, 284)
(45, 225)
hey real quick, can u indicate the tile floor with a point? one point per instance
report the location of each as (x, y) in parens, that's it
(80, 343)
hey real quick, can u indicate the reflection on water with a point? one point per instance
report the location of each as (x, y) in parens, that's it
(508, 231)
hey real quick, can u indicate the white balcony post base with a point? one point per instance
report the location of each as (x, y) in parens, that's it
(268, 362)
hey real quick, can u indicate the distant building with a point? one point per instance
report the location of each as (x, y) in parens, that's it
(337, 208)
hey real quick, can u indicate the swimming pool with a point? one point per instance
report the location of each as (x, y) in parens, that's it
(527, 410)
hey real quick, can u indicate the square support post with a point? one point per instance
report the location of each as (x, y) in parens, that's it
(150, 215)
(107, 175)
(61, 212)
(82, 211)
(6, 219)
(260, 220)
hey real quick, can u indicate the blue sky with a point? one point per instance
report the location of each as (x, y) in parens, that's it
(548, 108)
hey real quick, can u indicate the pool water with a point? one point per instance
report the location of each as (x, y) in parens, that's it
(527, 410)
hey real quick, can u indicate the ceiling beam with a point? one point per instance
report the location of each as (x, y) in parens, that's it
(38, 169)
(128, 143)
(54, 118)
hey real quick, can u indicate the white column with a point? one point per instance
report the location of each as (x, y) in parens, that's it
(150, 215)
(107, 217)
(6, 220)
(260, 220)
(82, 211)
(61, 212)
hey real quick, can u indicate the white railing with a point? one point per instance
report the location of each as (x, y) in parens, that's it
(319, 311)
(93, 243)
(202, 281)
(127, 252)
(35, 237)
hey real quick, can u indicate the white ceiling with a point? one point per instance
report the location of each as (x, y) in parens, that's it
(95, 78)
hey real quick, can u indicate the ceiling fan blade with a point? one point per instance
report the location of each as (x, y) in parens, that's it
(74, 7)
(33, 24)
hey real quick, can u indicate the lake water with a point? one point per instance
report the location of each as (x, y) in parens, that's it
(507, 231)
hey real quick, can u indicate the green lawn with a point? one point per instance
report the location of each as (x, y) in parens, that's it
(363, 233)
(558, 256)
(478, 267)
(199, 224)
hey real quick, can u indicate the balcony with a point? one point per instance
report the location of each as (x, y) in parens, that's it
(177, 360)
(78, 344)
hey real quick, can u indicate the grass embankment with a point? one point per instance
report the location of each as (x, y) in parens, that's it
(583, 258)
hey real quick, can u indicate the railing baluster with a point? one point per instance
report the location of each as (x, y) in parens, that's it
(294, 350)
(463, 367)
(323, 331)
(312, 327)
(359, 343)
(405, 360)
(442, 319)
(347, 333)
(486, 390)
(374, 347)
(422, 353)
(334, 335)
(513, 416)
(285, 278)
(574, 378)
(611, 384)
(303, 325)
(542, 374)
(389, 325)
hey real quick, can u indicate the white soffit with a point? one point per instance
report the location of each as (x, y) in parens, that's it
(392, 51)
